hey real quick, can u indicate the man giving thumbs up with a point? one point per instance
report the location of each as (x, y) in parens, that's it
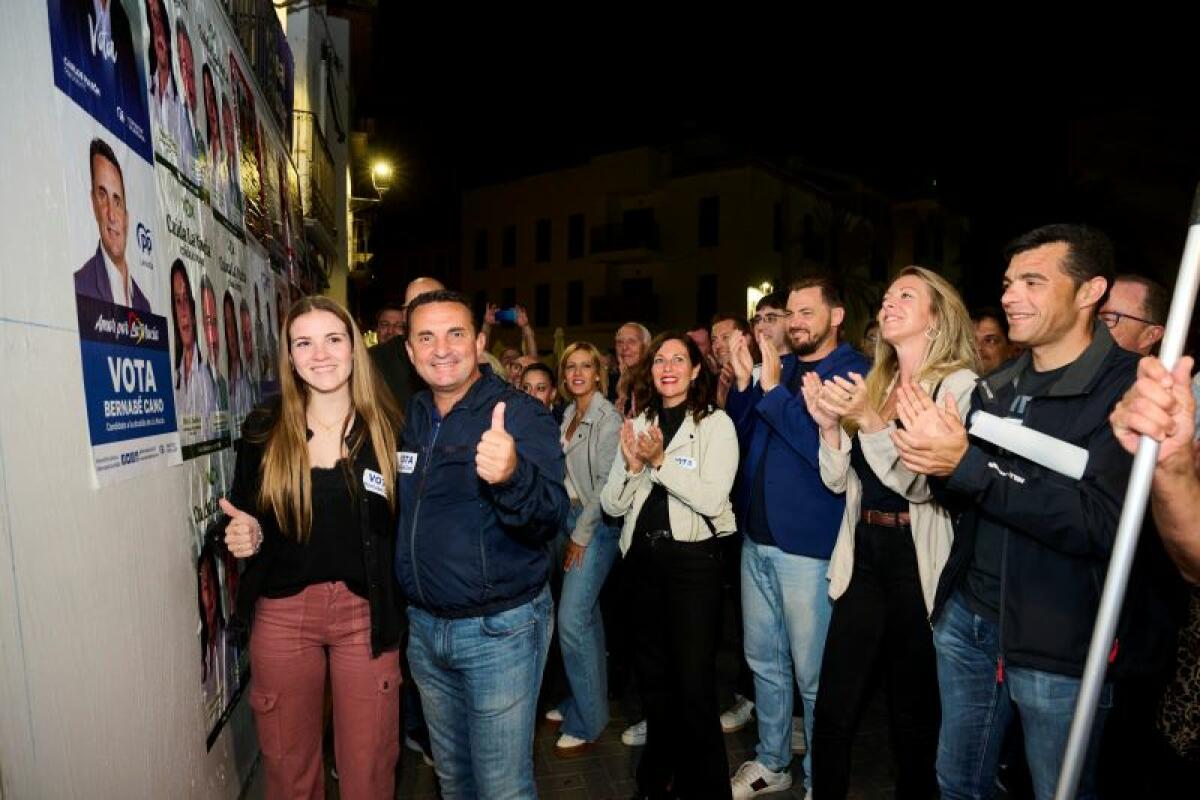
(481, 495)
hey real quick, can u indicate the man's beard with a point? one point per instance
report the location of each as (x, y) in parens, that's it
(812, 345)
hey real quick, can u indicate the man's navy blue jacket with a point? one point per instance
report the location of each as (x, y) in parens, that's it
(466, 548)
(777, 434)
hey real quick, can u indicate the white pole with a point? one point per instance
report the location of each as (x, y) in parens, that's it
(1136, 495)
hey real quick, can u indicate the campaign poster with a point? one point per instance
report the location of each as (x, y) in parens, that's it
(224, 656)
(217, 122)
(171, 56)
(97, 62)
(250, 152)
(235, 332)
(265, 327)
(201, 393)
(110, 222)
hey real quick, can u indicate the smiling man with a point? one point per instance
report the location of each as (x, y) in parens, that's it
(1018, 597)
(105, 276)
(790, 520)
(481, 495)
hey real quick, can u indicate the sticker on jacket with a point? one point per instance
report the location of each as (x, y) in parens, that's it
(407, 462)
(373, 482)
(686, 462)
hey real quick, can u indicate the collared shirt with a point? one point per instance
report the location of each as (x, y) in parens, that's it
(195, 401)
(121, 285)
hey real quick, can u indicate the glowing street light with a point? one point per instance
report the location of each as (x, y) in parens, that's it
(382, 174)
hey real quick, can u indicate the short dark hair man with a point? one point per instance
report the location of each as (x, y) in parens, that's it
(1136, 313)
(389, 321)
(1018, 597)
(481, 495)
(991, 339)
(105, 276)
(726, 327)
(791, 522)
(390, 356)
(770, 318)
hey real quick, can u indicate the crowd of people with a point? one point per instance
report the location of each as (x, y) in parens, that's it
(838, 497)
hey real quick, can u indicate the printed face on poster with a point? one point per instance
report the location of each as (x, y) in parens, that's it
(110, 235)
(201, 392)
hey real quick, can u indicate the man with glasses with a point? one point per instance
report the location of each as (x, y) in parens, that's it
(771, 320)
(1135, 313)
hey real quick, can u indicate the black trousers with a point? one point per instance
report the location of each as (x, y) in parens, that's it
(676, 589)
(879, 628)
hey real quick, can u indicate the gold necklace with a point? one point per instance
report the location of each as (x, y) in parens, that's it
(328, 428)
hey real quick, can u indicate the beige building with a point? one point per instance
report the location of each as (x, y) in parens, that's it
(670, 236)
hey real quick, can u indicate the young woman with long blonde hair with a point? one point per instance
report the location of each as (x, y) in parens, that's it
(894, 538)
(313, 509)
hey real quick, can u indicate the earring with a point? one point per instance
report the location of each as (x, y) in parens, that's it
(931, 333)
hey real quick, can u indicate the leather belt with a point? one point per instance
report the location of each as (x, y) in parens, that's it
(886, 519)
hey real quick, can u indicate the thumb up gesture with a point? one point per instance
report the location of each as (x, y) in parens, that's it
(243, 534)
(496, 455)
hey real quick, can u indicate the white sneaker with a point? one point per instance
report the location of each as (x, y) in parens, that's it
(635, 735)
(799, 742)
(753, 779)
(554, 715)
(737, 715)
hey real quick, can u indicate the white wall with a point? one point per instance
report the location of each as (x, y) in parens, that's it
(99, 675)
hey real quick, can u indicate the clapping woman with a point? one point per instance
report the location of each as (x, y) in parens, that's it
(671, 483)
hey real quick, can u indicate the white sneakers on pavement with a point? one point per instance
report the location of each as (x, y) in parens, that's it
(737, 715)
(753, 779)
(635, 735)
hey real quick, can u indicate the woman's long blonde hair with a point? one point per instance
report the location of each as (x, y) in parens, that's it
(951, 343)
(286, 486)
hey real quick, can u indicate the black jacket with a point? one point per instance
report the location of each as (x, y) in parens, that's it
(377, 526)
(1059, 532)
(391, 361)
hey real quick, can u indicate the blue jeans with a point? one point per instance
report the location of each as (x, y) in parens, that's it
(479, 679)
(581, 634)
(977, 710)
(785, 611)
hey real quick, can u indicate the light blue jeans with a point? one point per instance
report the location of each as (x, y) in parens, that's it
(479, 680)
(785, 613)
(581, 634)
(977, 710)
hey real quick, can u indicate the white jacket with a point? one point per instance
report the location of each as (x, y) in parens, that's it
(932, 531)
(699, 465)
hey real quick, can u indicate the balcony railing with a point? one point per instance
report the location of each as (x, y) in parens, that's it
(315, 162)
(267, 50)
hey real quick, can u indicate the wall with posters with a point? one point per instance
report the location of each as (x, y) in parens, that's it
(152, 225)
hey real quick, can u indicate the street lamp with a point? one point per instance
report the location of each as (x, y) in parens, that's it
(382, 174)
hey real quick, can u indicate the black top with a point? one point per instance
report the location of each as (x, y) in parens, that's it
(875, 496)
(655, 514)
(334, 550)
(373, 522)
(757, 526)
(982, 587)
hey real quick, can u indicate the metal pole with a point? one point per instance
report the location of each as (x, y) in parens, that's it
(1136, 496)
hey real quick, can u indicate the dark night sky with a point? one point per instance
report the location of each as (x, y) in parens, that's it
(1008, 159)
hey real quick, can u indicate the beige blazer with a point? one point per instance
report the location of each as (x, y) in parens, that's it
(932, 531)
(699, 465)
